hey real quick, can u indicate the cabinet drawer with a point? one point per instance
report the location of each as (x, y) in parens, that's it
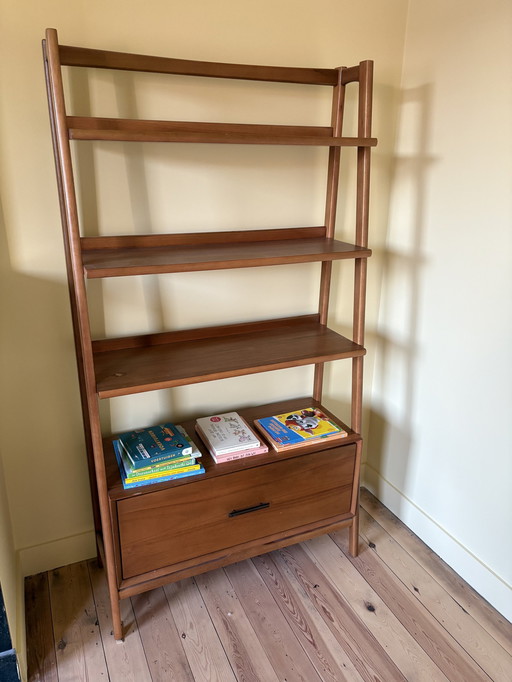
(199, 517)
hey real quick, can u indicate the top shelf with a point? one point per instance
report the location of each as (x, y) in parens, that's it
(127, 61)
(134, 130)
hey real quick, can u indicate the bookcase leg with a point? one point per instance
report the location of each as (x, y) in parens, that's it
(100, 551)
(353, 537)
(353, 540)
(117, 623)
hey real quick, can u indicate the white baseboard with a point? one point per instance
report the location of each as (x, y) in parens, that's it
(50, 555)
(481, 578)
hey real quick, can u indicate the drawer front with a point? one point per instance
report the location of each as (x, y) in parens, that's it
(199, 517)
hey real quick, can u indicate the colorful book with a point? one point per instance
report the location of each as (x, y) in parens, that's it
(137, 481)
(301, 427)
(239, 454)
(160, 469)
(145, 447)
(159, 466)
(227, 432)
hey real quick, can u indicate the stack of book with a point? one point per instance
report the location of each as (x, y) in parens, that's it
(156, 454)
(228, 437)
(300, 428)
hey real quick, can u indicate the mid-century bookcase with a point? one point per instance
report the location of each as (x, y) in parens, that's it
(160, 533)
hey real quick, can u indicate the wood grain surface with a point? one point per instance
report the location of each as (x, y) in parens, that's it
(308, 612)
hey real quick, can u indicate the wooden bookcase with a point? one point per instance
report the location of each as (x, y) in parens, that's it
(164, 532)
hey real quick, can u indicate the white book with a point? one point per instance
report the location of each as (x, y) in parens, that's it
(227, 432)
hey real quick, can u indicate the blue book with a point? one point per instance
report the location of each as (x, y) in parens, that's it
(155, 444)
(146, 480)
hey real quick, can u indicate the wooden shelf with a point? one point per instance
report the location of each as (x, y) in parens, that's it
(136, 130)
(126, 61)
(142, 260)
(144, 363)
(117, 492)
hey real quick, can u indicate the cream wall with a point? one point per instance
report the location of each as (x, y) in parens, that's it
(439, 452)
(10, 578)
(157, 189)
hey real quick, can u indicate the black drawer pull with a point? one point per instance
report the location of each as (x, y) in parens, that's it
(238, 512)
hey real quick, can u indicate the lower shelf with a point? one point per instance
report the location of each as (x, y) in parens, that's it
(117, 492)
(167, 531)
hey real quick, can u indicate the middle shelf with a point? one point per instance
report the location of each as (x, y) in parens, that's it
(157, 254)
(149, 362)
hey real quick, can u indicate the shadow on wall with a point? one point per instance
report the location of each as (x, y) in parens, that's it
(142, 195)
(391, 422)
(40, 419)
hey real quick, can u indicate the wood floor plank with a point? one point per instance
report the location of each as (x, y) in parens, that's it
(478, 643)
(370, 660)
(162, 644)
(243, 648)
(330, 659)
(202, 646)
(446, 653)
(284, 651)
(400, 645)
(41, 659)
(80, 655)
(462, 593)
(394, 613)
(126, 660)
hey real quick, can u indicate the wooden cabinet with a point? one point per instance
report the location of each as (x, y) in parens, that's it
(197, 520)
(158, 533)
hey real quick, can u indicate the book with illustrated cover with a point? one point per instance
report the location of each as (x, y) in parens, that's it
(145, 447)
(238, 454)
(164, 467)
(301, 427)
(136, 481)
(227, 432)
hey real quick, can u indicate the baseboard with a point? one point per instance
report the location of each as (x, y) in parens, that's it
(62, 552)
(481, 578)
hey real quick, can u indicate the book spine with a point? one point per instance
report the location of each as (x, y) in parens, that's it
(163, 479)
(161, 467)
(152, 477)
(239, 455)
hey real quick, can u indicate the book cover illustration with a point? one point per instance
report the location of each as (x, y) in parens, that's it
(133, 482)
(154, 444)
(300, 427)
(227, 432)
(164, 467)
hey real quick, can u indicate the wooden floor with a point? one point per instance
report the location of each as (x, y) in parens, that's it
(309, 612)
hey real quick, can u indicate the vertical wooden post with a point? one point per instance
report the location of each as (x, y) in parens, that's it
(362, 209)
(333, 174)
(353, 538)
(79, 310)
